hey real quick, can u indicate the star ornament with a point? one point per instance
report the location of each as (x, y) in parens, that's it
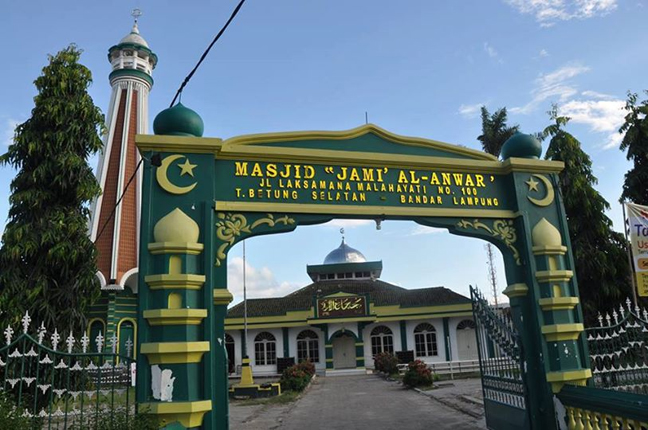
(532, 183)
(187, 168)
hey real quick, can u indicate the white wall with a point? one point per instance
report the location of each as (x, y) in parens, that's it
(394, 326)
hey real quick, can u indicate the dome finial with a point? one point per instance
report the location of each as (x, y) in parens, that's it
(342, 233)
(136, 13)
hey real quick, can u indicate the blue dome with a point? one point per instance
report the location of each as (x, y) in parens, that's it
(344, 254)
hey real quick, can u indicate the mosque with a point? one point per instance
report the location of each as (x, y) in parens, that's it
(339, 321)
(347, 316)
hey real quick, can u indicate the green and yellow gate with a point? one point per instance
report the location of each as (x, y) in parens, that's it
(203, 195)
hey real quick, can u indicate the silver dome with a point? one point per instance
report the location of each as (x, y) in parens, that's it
(344, 254)
(134, 38)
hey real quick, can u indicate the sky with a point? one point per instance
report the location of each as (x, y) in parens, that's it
(418, 68)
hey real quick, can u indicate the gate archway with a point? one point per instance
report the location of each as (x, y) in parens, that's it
(203, 195)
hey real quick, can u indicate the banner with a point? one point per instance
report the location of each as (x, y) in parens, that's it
(638, 229)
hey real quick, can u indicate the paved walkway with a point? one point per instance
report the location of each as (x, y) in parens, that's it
(354, 403)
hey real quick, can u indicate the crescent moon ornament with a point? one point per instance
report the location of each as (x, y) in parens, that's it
(163, 179)
(549, 198)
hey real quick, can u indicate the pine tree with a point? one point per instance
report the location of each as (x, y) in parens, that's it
(599, 252)
(47, 260)
(495, 131)
(635, 141)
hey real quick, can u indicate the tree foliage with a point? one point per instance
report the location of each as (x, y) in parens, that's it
(600, 256)
(47, 260)
(635, 141)
(495, 131)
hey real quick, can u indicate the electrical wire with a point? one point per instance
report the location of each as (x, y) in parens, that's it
(119, 201)
(204, 55)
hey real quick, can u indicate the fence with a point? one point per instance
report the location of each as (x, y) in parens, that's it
(618, 350)
(73, 388)
(595, 408)
(450, 368)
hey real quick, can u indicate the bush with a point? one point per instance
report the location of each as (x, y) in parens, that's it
(118, 419)
(307, 367)
(10, 416)
(386, 362)
(417, 374)
(296, 378)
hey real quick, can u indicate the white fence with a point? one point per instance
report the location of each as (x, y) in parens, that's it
(451, 368)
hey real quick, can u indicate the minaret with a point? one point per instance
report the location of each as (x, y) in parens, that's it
(117, 235)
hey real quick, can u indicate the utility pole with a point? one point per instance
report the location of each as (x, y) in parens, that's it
(492, 272)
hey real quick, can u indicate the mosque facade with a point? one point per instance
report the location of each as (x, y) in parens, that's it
(345, 317)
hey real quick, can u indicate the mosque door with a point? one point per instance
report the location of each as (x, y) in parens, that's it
(467, 344)
(344, 352)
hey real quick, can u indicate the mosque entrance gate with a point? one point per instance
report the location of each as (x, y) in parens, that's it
(203, 195)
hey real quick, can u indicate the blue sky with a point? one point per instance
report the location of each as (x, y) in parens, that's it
(419, 68)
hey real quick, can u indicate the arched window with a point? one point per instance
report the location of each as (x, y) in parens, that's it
(466, 324)
(382, 340)
(308, 346)
(425, 340)
(265, 349)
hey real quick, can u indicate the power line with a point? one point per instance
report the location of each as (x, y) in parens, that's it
(204, 55)
(112, 213)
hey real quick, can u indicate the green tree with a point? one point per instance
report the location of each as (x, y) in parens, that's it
(635, 141)
(47, 260)
(599, 252)
(495, 131)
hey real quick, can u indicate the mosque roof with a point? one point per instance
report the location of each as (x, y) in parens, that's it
(134, 38)
(380, 294)
(344, 254)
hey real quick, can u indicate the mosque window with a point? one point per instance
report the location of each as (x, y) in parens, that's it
(265, 349)
(382, 340)
(308, 346)
(466, 324)
(425, 340)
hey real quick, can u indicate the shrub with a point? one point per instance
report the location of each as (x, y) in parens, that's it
(386, 362)
(295, 378)
(307, 366)
(417, 374)
(118, 419)
(11, 417)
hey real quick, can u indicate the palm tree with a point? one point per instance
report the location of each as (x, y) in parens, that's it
(495, 131)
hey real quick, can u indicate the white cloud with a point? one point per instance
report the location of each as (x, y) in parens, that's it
(556, 86)
(8, 133)
(600, 115)
(259, 283)
(490, 50)
(613, 141)
(471, 111)
(548, 12)
(348, 223)
(423, 229)
(597, 95)
(543, 53)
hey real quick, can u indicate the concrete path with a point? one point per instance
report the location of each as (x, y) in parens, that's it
(354, 403)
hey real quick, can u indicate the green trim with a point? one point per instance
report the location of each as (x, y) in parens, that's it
(446, 337)
(403, 334)
(286, 345)
(126, 73)
(312, 321)
(135, 46)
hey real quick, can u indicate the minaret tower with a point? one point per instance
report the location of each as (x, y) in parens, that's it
(117, 235)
